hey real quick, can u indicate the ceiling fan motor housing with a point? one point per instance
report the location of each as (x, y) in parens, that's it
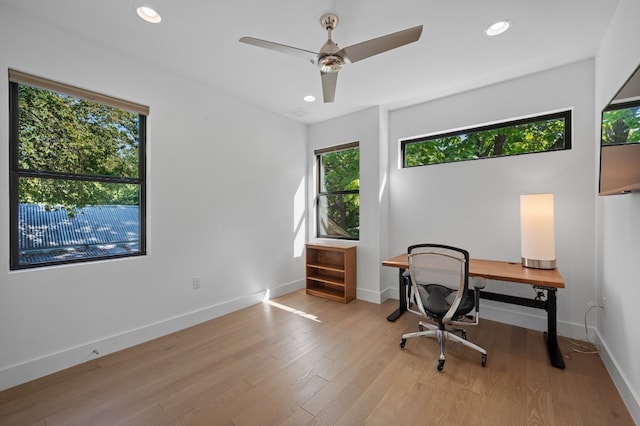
(328, 61)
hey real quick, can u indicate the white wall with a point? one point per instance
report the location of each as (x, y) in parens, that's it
(226, 186)
(619, 221)
(475, 204)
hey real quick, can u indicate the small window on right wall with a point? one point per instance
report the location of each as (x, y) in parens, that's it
(542, 133)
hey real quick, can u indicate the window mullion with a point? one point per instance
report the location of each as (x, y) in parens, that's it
(346, 192)
(77, 177)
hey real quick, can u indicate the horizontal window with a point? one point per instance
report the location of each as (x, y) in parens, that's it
(550, 132)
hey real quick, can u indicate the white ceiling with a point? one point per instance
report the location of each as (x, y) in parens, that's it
(199, 40)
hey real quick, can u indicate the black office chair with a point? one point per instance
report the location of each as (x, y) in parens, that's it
(439, 276)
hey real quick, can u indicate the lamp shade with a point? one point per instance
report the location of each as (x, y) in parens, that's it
(537, 231)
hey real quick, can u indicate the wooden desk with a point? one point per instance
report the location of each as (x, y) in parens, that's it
(546, 281)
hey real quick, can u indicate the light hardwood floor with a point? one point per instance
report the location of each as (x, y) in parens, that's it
(305, 360)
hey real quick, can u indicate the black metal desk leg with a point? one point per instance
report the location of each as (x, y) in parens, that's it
(551, 335)
(402, 295)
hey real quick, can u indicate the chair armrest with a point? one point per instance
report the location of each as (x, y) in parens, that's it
(478, 282)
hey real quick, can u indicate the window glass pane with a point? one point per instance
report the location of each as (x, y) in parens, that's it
(72, 194)
(340, 170)
(339, 216)
(50, 231)
(518, 137)
(621, 125)
(60, 133)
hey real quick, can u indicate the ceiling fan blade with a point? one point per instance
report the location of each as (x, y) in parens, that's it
(282, 48)
(366, 49)
(329, 80)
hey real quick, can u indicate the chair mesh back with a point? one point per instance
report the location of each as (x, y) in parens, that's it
(437, 265)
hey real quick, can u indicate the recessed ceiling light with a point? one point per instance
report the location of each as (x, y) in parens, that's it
(309, 98)
(148, 14)
(498, 28)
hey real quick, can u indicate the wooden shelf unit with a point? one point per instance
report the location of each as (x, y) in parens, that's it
(331, 271)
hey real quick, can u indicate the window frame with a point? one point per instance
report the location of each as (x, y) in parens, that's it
(565, 114)
(319, 193)
(16, 79)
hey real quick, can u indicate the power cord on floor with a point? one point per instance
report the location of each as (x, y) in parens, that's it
(592, 349)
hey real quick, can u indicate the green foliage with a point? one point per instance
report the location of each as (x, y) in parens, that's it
(621, 126)
(67, 136)
(341, 170)
(72, 195)
(341, 176)
(516, 139)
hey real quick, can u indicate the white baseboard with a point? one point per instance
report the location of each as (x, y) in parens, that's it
(368, 295)
(629, 395)
(26, 371)
(389, 293)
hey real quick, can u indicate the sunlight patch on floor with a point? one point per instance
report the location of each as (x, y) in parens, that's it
(289, 309)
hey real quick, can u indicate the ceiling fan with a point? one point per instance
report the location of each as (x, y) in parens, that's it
(331, 58)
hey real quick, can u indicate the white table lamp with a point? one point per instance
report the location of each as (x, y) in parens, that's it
(537, 231)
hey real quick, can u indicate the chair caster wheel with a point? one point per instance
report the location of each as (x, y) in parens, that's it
(484, 360)
(441, 365)
(403, 343)
(464, 335)
(420, 327)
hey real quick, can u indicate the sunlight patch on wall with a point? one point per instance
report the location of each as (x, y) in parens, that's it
(383, 186)
(299, 214)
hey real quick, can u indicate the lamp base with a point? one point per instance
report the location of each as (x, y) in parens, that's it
(538, 264)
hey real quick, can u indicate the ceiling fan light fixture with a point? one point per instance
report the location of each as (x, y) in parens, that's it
(497, 28)
(148, 14)
(330, 63)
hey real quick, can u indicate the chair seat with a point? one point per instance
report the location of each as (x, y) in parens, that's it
(437, 299)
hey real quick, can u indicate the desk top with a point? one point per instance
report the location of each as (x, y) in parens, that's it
(498, 270)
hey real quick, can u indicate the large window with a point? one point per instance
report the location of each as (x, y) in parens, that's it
(550, 132)
(77, 174)
(338, 200)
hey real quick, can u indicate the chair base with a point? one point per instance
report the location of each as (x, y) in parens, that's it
(443, 335)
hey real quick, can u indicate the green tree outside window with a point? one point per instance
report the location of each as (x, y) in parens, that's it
(621, 124)
(339, 194)
(539, 134)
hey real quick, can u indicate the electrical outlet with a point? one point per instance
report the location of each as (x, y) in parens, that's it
(196, 283)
